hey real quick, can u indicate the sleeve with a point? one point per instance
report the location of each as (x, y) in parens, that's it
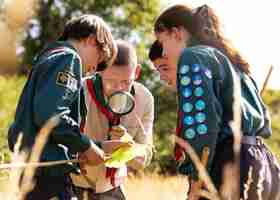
(57, 88)
(266, 130)
(144, 134)
(199, 108)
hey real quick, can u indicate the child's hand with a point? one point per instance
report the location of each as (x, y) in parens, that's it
(110, 146)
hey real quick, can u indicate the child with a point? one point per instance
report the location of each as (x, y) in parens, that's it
(204, 68)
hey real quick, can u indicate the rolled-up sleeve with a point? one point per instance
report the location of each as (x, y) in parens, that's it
(144, 134)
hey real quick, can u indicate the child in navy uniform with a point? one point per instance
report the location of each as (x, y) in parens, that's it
(195, 59)
(54, 88)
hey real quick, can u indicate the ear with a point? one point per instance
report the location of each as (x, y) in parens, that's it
(178, 33)
(91, 40)
(137, 71)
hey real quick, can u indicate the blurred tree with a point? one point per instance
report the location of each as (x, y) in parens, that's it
(272, 99)
(130, 20)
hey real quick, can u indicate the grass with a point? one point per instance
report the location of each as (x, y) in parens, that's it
(149, 187)
(156, 187)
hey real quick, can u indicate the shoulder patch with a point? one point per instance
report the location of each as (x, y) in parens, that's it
(66, 79)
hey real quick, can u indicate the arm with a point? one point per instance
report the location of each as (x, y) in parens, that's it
(199, 106)
(144, 135)
(57, 89)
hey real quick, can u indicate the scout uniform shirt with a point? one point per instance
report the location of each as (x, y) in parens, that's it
(52, 88)
(139, 124)
(205, 84)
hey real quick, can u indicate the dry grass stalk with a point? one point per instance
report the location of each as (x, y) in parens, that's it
(203, 175)
(36, 164)
(14, 175)
(231, 174)
(27, 180)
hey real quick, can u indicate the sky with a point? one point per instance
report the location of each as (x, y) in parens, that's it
(253, 28)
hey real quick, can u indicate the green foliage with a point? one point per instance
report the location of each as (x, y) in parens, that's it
(272, 99)
(122, 15)
(10, 89)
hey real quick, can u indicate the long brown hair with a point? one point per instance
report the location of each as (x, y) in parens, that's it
(203, 24)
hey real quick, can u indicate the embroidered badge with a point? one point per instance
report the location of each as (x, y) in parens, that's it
(184, 69)
(185, 80)
(200, 105)
(200, 117)
(202, 129)
(189, 133)
(195, 67)
(198, 92)
(67, 80)
(208, 73)
(187, 107)
(188, 120)
(197, 79)
(187, 92)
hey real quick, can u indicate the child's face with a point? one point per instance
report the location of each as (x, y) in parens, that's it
(172, 43)
(92, 55)
(167, 72)
(118, 78)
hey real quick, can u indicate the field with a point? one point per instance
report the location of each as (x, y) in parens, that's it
(148, 187)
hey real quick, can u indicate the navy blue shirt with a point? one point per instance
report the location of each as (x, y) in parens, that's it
(52, 88)
(205, 83)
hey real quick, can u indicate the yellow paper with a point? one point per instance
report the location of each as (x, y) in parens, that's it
(124, 154)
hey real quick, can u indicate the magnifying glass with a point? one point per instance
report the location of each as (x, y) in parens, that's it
(121, 103)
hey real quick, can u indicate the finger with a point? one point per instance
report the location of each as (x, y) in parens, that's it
(107, 157)
(82, 158)
(116, 133)
(83, 169)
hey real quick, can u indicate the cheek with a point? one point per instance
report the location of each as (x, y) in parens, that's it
(108, 88)
(169, 50)
(93, 57)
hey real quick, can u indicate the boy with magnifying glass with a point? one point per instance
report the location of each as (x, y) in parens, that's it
(102, 125)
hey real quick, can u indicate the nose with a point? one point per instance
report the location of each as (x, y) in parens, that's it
(117, 87)
(163, 53)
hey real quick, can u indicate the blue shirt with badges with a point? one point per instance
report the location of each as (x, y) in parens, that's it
(52, 88)
(205, 84)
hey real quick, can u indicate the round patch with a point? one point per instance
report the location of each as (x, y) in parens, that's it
(187, 107)
(200, 105)
(184, 69)
(188, 120)
(195, 67)
(202, 129)
(197, 79)
(189, 133)
(208, 73)
(185, 80)
(187, 92)
(200, 117)
(198, 92)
